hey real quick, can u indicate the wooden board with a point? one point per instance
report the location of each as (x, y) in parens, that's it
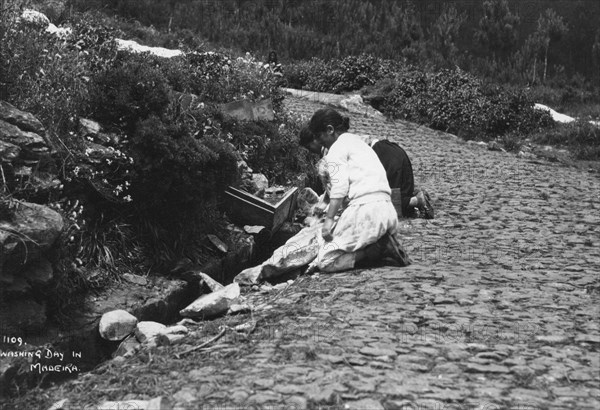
(246, 209)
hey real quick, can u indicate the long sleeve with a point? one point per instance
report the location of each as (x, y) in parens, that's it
(354, 169)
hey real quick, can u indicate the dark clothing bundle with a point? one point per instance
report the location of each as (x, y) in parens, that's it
(398, 169)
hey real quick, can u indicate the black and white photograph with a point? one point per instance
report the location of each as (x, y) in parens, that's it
(299, 204)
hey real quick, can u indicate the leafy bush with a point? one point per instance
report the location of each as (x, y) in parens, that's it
(582, 137)
(129, 91)
(273, 149)
(176, 182)
(339, 75)
(457, 102)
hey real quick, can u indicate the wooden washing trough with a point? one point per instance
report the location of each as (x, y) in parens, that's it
(244, 208)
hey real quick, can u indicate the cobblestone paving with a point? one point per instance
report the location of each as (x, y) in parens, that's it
(500, 309)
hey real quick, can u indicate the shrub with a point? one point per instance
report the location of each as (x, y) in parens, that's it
(457, 102)
(338, 75)
(582, 137)
(132, 89)
(177, 178)
(273, 149)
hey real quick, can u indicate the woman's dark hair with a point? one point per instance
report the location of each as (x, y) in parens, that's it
(328, 116)
(306, 136)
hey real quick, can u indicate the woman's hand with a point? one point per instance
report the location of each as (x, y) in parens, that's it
(327, 230)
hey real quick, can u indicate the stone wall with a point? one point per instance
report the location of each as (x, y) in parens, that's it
(28, 231)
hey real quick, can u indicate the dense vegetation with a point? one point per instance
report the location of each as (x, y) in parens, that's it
(158, 195)
(156, 200)
(511, 36)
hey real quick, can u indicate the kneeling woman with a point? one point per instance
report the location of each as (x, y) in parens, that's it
(365, 230)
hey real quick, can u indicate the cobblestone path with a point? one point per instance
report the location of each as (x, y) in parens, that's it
(500, 309)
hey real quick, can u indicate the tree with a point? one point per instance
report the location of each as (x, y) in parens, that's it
(444, 31)
(497, 28)
(550, 29)
(596, 55)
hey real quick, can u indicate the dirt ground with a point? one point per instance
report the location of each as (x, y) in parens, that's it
(499, 310)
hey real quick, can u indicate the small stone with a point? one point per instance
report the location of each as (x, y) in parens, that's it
(441, 300)
(552, 339)
(60, 405)
(363, 404)
(288, 389)
(147, 332)
(262, 398)
(239, 396)
(582, 376)
(138, 280)
(217, 243)
(372, 351)
(593, 339)
(319, 394)
(250, 277)
(481, 368)
(264, 383)
(297, 403)
(356, 361)
(332, 359)
(186, 395)
(127, 347)
(116, 325)
(212, 284)
(214, 304)
(522, 371)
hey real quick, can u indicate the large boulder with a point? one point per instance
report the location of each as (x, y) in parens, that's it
(31, 231)
(25, 139)
(24, 120)
(117, 324)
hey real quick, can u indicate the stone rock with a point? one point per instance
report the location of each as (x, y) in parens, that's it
(8, 151)
(495, 146)
(170, 339)
(214, 304)
(250, 276)
(485, 368)
(128, 347)
(25, 139)
(137, 279)
(24, 120)
(35, 18)
(237, 308)
(552, 339)
(260, 182)
(212, 284)
(254, 229)
(185, 395)
(117, 324)
(60, 405)
(88, 127)
(218, 243)
(96, 153)
(147, 332)
(595, 339)
(370, 404)
(38, 227)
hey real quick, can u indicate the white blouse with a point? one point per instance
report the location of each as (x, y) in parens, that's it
(354, 169)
